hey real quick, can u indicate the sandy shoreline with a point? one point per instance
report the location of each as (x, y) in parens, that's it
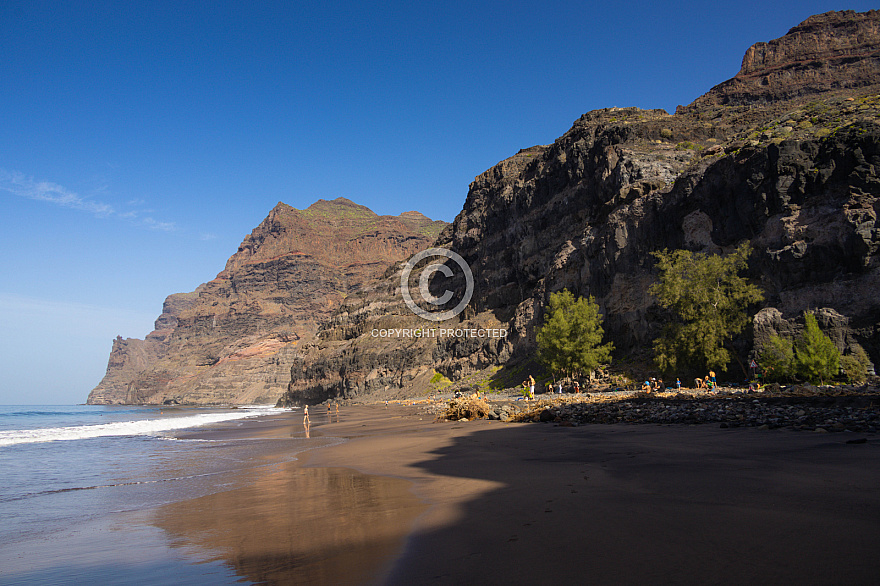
(518, 503)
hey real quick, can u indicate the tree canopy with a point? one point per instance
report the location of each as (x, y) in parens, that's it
(570, 341)
(709, 301)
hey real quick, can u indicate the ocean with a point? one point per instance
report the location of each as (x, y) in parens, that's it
(78, 485)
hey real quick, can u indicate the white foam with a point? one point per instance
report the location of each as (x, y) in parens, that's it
(128, 428)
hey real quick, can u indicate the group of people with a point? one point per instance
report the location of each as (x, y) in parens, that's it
(552, 388)
(656, 384)
(708, 383)
(307, 421)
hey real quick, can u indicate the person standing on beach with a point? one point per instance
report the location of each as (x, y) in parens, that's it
(306, 420)
(531, 387)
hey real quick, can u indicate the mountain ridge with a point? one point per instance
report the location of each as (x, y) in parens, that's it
(227, 341)
(790, 166)
(787, 160)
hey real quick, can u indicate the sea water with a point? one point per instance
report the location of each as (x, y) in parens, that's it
(76, 481)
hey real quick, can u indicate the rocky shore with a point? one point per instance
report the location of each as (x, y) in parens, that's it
(807, 408)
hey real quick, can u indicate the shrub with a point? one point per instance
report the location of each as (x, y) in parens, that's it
(816, 357)
(855, 365)
(777, 358)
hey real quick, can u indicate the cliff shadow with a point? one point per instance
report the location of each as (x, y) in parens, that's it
(629, 504)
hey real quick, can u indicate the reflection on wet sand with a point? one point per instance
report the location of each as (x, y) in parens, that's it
(299, 525)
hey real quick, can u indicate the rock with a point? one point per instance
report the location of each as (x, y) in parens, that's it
(583, 213)
(547, 415)
(233, 340)
(823, 47)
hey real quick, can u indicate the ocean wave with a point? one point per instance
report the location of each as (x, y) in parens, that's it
(128, 428)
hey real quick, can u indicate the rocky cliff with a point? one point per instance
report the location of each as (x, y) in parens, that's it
(231, 340)
(785, 155)
(827, 52)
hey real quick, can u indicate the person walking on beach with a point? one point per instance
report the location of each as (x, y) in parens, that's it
(306, 420)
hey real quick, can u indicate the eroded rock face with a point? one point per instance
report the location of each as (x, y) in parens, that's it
(232, 340)
(827, 52)
(793, 171)
(790, 165)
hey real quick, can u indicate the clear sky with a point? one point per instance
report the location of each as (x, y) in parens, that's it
(140, 142)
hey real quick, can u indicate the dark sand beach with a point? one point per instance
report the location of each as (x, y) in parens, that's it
(407, 500)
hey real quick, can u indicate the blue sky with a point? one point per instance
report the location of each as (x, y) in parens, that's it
(139, 145)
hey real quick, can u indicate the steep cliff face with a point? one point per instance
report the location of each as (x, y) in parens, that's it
(788, 161)
(230, 341)
(807, 201)
(825, 53)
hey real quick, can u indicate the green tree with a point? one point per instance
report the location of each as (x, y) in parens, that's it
(709, 300)
(855, 365)
(777, 358)
(815, 355)
(570, 341)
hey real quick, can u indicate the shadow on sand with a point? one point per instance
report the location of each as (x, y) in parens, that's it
(617, 504)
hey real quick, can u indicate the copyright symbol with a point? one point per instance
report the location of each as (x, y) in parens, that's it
(425, 276)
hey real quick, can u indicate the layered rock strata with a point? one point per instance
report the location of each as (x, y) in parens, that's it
(789, 163)
(232, 340)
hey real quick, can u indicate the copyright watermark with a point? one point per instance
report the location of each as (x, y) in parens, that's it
(424, 278)
(438, 332)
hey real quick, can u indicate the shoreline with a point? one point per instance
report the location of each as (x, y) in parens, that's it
(607, 503)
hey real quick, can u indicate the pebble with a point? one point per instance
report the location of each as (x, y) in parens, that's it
(822, 412)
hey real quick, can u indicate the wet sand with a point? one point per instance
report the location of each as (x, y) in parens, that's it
(488, 502)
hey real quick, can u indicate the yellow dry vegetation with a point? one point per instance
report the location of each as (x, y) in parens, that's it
(471, 407)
